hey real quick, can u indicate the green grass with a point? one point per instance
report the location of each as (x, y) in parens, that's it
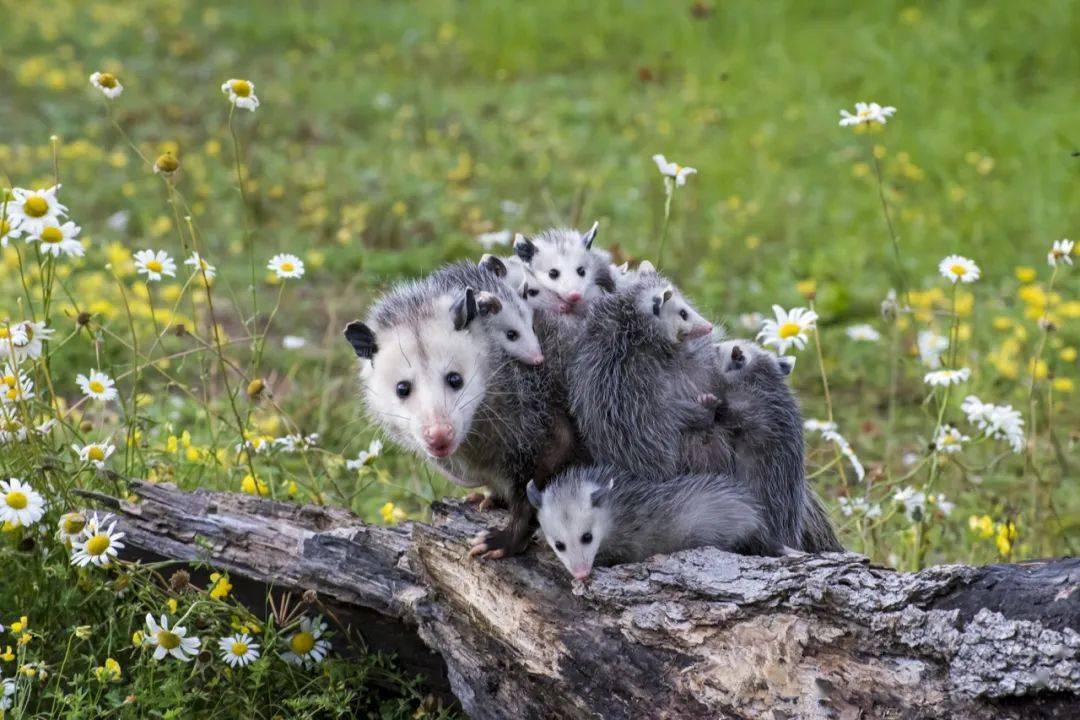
(391, 134)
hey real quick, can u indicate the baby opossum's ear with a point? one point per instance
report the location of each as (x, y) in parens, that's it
(659, 300)
(487, 304)
(669, 292)
(493, 265)
(600, 494)
(536, 498)
(464, 309)
(588, 238)
(646, 266)
(524, 248)
(786, 363)
(624, 268)
(362, 339)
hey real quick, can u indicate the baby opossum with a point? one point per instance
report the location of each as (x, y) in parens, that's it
(563, 263)
(504, 315)
(637, 377)
(762, 418)
(599, 514)
(440, 387)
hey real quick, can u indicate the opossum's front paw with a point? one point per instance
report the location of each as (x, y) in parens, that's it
(497, 544)
(708, 400)
(484, 502)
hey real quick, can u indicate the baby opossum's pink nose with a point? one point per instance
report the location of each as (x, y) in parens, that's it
(538, 359)
(573, 296)
(439, 439)
(700, 329)
(581, 573)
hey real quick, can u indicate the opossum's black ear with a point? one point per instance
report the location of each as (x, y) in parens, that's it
(524, 248)
(786, 363)
(588, 238)
(535, 496)
(603, 279)
(487, 304)
(464, 309)
(362, 339)
(668, 293)
(600, 494)
(493, 265)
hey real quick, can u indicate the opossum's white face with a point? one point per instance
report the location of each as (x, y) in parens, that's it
(564, 268)
(575, 521)
(512, 330)
(678, 320)
(426, 381)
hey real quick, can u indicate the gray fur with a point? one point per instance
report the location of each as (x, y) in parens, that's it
(631, 517)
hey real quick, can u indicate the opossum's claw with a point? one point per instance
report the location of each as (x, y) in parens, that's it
(708, 400)
(493, 554)
(479, 547)
(475, 498)
(486, 504)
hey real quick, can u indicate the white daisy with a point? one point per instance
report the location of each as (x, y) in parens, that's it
(285, 265)
(15, 385)
(241, 93)
(7, 693)
(297, 442)
(107, 83)
(20, 504)
(70, 527)
(306, 646)
(859, 506)
(168, 641)
(863, 333)
(24, 339)
(949, 439)
(931, 347)
(56, 239)
(813, 425)
(489, 240)
(751, 321)
(673, 170)
(914, 502)
(943, 378)
(95, 453)
(944, 505)
(845, 450)
(32, 210)
(238, 650)
(958, 268)
(199, 265)
(866, 113)
(366, 456)
(98, 544)
(293, 342)
(154, 264)
(9, 227)
(1060, 252)
(1000, 422)
(788, 328)
(11, 428)
(97, 385)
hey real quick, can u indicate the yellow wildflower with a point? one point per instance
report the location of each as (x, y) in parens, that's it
(1025, 274)
(1063, 384)
(109, 672)
(221, 587)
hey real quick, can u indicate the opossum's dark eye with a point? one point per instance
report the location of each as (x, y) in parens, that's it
(581, 271)
(533, 292)
(553, 273)
(512, 335)
(403, 389)
(586, 538)
(560, 546)
(684, 315)
(454, 380)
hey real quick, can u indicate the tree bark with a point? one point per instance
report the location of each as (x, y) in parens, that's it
(696, 634)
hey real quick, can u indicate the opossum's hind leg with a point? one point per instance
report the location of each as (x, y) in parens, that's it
(512, 539)
(484, 502)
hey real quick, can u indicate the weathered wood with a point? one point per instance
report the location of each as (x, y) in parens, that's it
(696, 634)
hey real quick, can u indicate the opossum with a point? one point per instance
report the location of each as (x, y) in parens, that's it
(762, 418)
(563, 263)
(599, 514)
(622, 276)
(504, 315)
(640, 379)
(441, 388)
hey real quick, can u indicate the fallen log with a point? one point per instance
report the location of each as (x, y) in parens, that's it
(696, 634)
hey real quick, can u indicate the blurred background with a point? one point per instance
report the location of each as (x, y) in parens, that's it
(393, 136)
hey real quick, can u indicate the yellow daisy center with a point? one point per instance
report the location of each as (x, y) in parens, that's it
(98, 544)
(5, 226)
(13, 393)
(96, 386)
(788, 330)
(302, 642)
(154, 265)
(51, 234)
(168, 640)
(9, 380)
(74, 524)
(240, 88)
(17, 500)
(106, 80)
(96, 453)
(957, 269)
(239, 649)
(287, 266)
(4, 333)
(36, 206)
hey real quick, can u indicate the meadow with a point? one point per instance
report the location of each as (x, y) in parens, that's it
(390, 138)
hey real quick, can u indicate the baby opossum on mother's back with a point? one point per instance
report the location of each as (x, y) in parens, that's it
(599, 514)
(565, 268)
(762, 418)
(440, 387)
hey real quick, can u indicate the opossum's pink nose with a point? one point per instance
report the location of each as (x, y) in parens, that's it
(580, 573)
(537, 359)
(573, 296)
(439, 439)
(699, 330)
